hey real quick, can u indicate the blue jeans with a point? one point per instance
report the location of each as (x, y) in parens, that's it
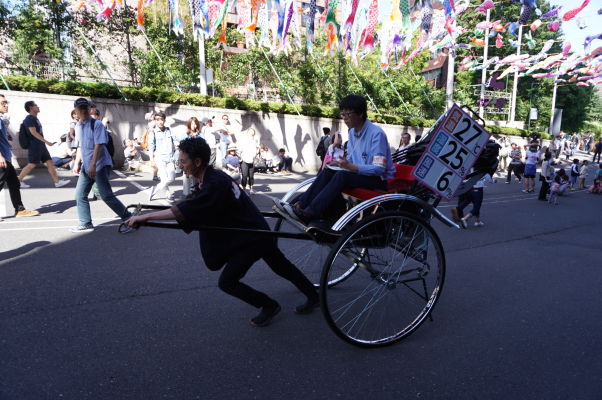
(84, 185)
(329, 184)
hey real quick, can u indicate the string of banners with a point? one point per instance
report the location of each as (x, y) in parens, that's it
(361, 27)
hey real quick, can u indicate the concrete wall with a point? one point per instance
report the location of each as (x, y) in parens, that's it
(299, 135)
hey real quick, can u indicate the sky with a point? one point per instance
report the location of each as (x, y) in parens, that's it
(570, 29)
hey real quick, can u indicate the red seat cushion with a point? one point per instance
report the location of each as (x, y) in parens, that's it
(402, 180)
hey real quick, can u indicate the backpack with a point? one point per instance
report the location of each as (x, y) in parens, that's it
(24, 137)
(109, 145)
(321, 149)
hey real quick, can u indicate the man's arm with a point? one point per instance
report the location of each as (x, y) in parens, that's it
(92, 167)
(36, 135)
(3, 163)
(138, 220)
(78, 160)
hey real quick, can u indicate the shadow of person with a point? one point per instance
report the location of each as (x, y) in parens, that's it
(23, 250)
(300, 142)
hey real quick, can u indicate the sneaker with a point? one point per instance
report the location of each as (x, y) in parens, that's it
(93, 198)
(479, 223)
(464, 224)
(25, 185)
(26, 213)
(308, 306)
(507, 182)
(171, 198)
(525, 191)
(299, 214)
(62, 183)
(82, 228)
(266, 315)
(156, 179)
(252, 191)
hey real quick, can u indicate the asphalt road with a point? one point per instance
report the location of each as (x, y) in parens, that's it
(108, 316)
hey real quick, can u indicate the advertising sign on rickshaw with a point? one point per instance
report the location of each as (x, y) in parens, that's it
(457, 143)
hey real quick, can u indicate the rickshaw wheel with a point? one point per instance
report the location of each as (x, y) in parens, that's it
(397, 269)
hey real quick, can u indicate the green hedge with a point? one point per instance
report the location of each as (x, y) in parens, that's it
(152, 95)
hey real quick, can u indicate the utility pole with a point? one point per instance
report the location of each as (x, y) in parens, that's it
(202, 70)
(551, 127)
(484, 70)
(449, 90)
(515, 85)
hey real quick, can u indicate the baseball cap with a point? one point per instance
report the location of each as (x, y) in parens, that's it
(205, 120)
(82, 102)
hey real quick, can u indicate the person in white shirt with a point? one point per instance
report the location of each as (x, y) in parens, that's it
(209, 133)
(249, 149)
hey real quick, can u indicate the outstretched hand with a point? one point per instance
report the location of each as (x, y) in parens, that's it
(136, 221)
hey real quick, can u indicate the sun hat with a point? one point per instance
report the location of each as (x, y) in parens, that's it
(232, 146)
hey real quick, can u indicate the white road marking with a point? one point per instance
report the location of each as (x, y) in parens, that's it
(134, 183)
(53, 227)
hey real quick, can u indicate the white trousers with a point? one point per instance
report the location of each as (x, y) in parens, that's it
(167, 173)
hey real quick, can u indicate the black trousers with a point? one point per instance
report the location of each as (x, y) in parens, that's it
(8, 176)
(543, 191)
(238, 265)
(517, 168)
(248, 174)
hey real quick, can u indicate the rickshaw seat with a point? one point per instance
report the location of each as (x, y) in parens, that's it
(402, 181)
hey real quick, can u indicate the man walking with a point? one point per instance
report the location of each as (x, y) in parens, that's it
(37, 151)
(93, 164)
(597, 150)
(162, 148)
(8, 175)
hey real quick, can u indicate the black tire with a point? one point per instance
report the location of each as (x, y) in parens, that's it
(397, 269)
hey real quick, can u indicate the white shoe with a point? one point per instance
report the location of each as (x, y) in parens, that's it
(25, 185)
(62, 183)
(252, 191)
(479, 223)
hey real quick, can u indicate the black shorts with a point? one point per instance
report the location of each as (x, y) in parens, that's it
(37, 153)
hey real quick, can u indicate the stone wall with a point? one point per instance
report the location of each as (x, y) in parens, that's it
(299, 135)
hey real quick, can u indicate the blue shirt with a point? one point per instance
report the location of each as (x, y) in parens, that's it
(5, 148)
(162, 143)
(86, 139)
(369, 150)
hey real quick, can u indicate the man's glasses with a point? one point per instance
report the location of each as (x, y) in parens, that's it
(4, 103)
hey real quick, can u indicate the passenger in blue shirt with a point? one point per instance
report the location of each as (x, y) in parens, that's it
(368, 164)
(92, 164)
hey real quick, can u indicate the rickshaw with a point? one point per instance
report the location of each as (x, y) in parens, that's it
(378, 262)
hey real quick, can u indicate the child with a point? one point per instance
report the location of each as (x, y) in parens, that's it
(596, 188)
(233, 163)
(554, 190)
(335, 151)
(575, 170)
(583, 174)
(474, 196)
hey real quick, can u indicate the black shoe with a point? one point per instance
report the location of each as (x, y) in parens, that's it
(266, 315)
(302, 215)
(308, 306)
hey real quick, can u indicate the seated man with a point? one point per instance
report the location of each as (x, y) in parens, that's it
(285, 163)
(368, 164)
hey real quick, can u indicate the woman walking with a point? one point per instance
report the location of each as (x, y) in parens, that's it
(249, 149)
